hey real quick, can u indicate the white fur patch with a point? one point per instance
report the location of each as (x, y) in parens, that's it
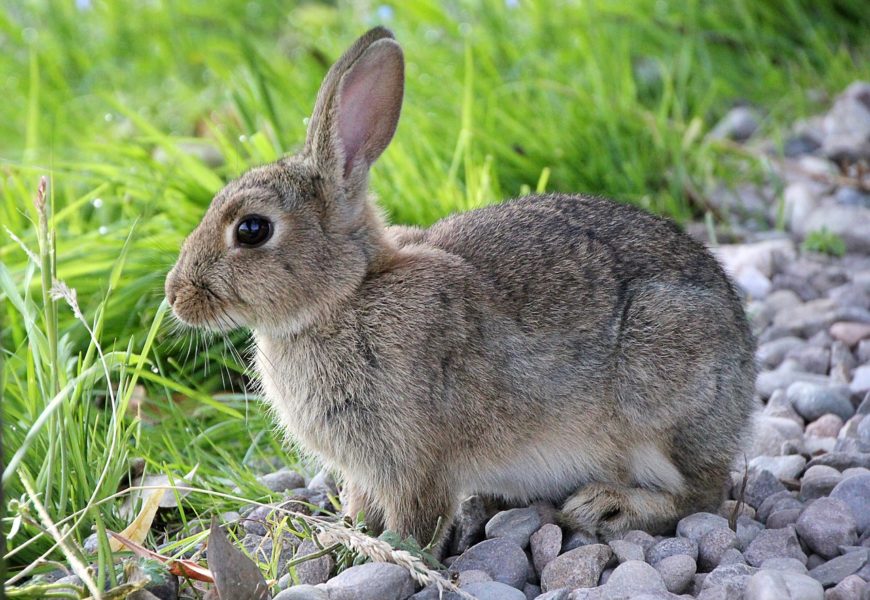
(652, 469)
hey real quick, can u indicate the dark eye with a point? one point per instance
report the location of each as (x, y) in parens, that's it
(253, 231)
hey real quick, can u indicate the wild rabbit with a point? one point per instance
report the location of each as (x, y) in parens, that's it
(554, 347)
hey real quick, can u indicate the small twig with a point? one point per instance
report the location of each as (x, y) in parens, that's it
(732, 519)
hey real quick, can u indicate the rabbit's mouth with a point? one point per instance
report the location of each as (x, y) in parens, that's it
(199, 306)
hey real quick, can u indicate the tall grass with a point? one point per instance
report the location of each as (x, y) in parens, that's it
(140, 111)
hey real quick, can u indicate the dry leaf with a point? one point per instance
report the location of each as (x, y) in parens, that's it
(138, 529)
(236, 577)
(168, 498)
(178, 567)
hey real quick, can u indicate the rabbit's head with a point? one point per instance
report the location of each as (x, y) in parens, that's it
(286, 242)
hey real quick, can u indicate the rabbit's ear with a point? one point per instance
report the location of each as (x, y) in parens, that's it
(358, 107)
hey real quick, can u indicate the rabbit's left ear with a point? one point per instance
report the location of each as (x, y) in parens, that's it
(358, 108)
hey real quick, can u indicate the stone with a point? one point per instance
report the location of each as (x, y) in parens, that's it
(846, 126)
(771, 433)
(811, 401)
(837, 569)
(860, 380)
(818, 487)
(855, 493)
(516, 524)
(560, 594)
(323, 481)
(677, 572)
(546, 543)
(747, 530)
(531, 591)
(828, 425)
(842, 460)
(578, 538)
(731, 578)
(774, 543)
(787, 585)
(670, 547)
(626, 550)
(469, 524)
(777, 502)
(696, 525)
(785, 564)
(782, 467)
(632, 578)
(848, 589)
(862, 429)
(316, 570)
(491, 590)
(371, 581)
(728, 508)
(502, 559)
(825, 524)
(760, 485)
(472, 576)
(282, 480)
(849, 332)
(580, 567)
(779, 406)
(303, 592)
(738, 124)
(732, 556)
(641, 538)
(261, 549)
(713, 545)
(811, 359)
(770, 354)
(770, 381)
(783, 518)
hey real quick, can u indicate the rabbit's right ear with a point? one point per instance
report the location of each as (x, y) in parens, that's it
(357, 109)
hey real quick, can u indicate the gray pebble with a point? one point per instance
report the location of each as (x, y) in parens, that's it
(492, 590)
(472, 576)
(560, 594)
(713, 545)
(371, 581)
(546, 543)
(677, 572)
(671, 547)
(770, 354)
(779, 501)
(770, 381)
(281, 481)
(826, 524)
(817, 487)
(632, 578)
(784, 564)
(531, 591)
(516, 524)
(773, 543)
(580, 567)
(323, 481)
(502, 559)
(732, 557)
(783, 518)
(842, 460)
(855, 493)
(759, 486)
(695, 526)
(624, 550)
(837, 569)
(787, 585)
(316, 570)
(747, 530)
(811, 401)
(303, 592)
(730, 578)
(641, 538)
(577, 539)
(848, 589)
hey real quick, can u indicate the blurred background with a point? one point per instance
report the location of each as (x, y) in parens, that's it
(139, 111)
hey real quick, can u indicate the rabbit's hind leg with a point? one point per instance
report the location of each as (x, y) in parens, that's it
(609, 510)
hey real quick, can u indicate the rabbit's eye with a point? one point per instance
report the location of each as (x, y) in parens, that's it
(253, 231)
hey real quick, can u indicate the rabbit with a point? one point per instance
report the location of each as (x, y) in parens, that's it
(554, 347)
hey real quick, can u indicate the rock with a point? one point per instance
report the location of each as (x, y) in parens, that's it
(531, 591)
(860, 380)
(671, 547)
(811, 401)
(855, 493)
(747, 530)
(580, 567)
(825, 524)
(472, 576)
(850, 223)
(760, 485)
(784, 564)
(848, 589)
(641, 538)
(817, 487)
(846, 126)
(811, 359)
(731, 578)
(726, 510)
(862, 430)
(371, 581)
(842, 460)
(502, 559)
(738, 124)
(696, 525)
(787, 585)
(774, 543)
(713, 545)
(850, 332)
(677, 572)
(732, 557)
(825, 426)
(837, 569)
(771, 354)
(576, 539)
(777, 502)
(492, 590)
(632, 578)
(770, 381)
(626, 550)
(560, 594)
(783, 518)
(516, 524)
(304, 592)
(782, 467)
(316, 570)
(771, 433)
(261, 549)
(546, 543)
(323, 481)
(281, 481)
(469, 524)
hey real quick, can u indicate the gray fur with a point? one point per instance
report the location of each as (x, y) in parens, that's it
(564, 347)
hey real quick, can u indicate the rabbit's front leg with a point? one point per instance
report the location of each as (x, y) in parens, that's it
(355, 501)
(421, 511)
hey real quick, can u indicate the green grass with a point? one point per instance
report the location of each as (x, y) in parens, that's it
(140, 111)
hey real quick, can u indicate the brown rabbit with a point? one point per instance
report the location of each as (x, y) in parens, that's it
(552, 347)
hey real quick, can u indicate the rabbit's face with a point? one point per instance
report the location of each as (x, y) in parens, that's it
(274, 251)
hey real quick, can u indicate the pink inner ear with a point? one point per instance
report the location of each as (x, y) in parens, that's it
(371, 95)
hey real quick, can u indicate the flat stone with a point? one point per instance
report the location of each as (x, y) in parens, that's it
(837, 569)
(502, 559)
(783, 518)
(576, 568)
(696, 525)
(281, 481)
(670, 547)
(842, 460)
(855, 493)
(492, 590)
(811, 401)
(546, 543)
(785, 564)
(731, 579)
(371, 581)
(828, 425)
(818, 487)
(516, 524)
(303, 592)
(774, 543)
(713, 545)
(770, 381)
(787, 585)
(626, 550)
(825, 524)
(677, 572)
(316, 570)
(848, 589)
(632, 578)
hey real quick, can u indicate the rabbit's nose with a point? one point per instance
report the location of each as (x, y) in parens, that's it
(170, 295)
(171, 288)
